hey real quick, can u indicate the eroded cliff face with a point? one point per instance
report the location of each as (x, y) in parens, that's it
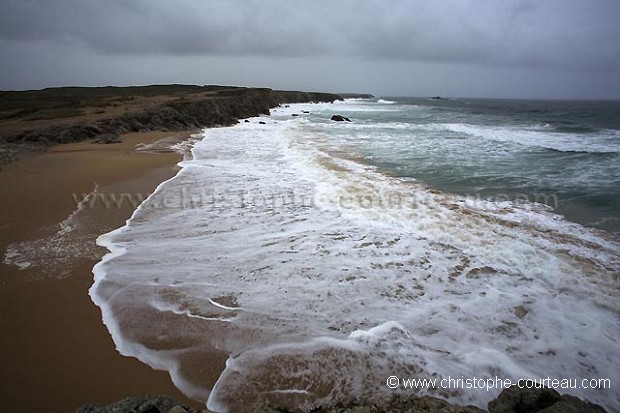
(39, 119)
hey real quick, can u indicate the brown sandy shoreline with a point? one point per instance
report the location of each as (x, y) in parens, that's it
(58, 354)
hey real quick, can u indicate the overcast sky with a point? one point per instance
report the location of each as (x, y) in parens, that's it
(477, 48)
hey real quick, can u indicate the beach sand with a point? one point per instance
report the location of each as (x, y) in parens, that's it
(57, 354)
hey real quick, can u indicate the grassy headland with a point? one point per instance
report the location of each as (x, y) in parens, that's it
(36, 119)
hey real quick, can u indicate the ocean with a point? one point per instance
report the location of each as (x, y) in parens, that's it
(425, 239)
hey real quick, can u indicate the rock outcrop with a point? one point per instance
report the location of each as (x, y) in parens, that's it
(340, 118)
(77, 114)
(158, 404)
(543, 400)
(108, 138)
(511, 400)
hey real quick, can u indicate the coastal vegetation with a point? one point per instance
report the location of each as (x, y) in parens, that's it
(36, 119)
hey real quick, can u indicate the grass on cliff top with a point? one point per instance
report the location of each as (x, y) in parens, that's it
(63, 102)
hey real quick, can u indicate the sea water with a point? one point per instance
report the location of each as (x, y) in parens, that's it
(424, 239)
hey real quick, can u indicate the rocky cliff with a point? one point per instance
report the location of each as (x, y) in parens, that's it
(38, 119)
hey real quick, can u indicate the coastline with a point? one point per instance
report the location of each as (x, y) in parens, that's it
(60, 192)
(59, 354)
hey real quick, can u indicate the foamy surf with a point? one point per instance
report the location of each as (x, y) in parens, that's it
(321, 277)
(53, 254)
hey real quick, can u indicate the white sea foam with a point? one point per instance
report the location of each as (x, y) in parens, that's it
(53, 254)
(538, 138)
(322, 277)
(69, 224)
(13, 256)
(72, 239)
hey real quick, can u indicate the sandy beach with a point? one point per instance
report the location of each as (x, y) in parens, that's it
(296, 347)
(58, 354)
(60, 191)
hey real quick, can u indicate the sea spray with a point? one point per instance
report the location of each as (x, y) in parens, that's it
(320, 298)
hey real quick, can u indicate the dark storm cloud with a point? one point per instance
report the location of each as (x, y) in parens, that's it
(515, 32)
(493, 48)
(164, 27)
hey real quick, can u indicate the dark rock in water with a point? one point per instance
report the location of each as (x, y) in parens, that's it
(517, 400)
(304, 111)
(247, 121)
(261, 123)
(108, 138)
(295, 114)
(436, 97)
(521, 311)
(340, 118)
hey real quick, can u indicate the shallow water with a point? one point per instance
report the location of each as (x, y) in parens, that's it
(319, 257)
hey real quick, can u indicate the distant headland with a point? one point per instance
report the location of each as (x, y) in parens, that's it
(37, 119)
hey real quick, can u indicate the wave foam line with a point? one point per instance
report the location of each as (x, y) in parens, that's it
(126, 348)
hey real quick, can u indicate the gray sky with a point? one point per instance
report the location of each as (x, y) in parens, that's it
(477, 48)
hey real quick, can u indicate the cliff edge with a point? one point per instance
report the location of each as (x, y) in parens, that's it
(34, 120)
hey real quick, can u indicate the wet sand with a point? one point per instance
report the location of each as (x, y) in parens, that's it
(57, 354)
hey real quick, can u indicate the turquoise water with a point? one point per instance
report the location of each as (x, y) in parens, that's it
(561, 153)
